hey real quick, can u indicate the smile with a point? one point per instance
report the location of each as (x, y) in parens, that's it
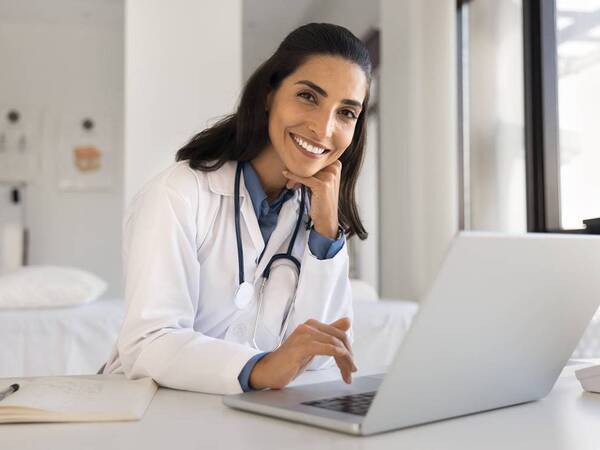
(307, 147)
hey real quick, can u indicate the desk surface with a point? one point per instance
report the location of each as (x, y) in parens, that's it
(567, 418)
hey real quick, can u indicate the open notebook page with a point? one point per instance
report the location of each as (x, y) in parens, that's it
(80, 395)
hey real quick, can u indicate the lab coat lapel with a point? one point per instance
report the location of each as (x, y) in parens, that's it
(222, 182)
(250, 219)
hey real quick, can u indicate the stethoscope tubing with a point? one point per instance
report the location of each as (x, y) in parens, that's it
(238, 234)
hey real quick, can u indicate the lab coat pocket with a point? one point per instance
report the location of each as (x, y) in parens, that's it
(242, 325)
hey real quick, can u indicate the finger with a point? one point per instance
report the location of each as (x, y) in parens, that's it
(319, 348)
(346, 360)
(326, 177)
(342, 324)
(292, 184)
(329, 329)
(305, 335)
(311, 182)
(335, 167)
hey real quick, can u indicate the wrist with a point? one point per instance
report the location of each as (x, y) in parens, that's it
(272, 372)
(257, 376)
(329, 231)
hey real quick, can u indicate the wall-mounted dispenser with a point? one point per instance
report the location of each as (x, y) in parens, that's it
(19, 156)
(13, 232)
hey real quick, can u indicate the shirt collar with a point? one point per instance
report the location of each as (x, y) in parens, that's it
(258, 195)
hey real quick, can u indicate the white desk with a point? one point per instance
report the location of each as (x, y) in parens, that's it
(567, 418)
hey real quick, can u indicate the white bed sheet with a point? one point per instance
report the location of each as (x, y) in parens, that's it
(78, 340)
(379, 327)
(58, 341)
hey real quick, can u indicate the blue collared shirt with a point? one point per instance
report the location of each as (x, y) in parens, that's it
(320, 246)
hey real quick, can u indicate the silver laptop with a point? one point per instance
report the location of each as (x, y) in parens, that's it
(497, 326)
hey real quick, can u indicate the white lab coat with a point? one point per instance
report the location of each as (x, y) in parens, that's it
(181, 275)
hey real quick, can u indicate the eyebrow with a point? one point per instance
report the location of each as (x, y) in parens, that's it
(321, 91)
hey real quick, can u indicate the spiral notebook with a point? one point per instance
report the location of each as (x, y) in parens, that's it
(79, 398)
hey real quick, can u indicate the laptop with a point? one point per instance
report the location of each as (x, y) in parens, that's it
(495, 329)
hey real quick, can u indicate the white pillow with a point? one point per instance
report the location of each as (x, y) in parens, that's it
(48, 287)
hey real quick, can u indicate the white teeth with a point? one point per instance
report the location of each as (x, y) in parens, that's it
(308, 147)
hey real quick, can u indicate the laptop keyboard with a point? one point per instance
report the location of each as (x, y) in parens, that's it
(357, 404)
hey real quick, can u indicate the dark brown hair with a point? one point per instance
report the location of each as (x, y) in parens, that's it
(243, 135)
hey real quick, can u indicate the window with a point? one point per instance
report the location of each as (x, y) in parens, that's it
(578, 58)
(529, 99)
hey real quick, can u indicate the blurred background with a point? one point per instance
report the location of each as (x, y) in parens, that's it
(483, 117)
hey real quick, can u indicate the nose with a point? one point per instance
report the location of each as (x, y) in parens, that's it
(322, 124)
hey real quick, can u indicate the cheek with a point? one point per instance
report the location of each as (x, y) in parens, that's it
(280, 120)
(344, 139)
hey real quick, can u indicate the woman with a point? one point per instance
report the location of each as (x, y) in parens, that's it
(202, 237)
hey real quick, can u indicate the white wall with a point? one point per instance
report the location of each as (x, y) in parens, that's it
(183, 69)
(66, 58)
(267, 22)
(418, 158)
(496, 128)
(364, 256)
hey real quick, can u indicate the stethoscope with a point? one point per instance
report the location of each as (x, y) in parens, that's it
(245, 290)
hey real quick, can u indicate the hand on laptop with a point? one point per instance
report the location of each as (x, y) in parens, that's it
(310, 339)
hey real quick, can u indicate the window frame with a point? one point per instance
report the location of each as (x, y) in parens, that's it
(542, 157)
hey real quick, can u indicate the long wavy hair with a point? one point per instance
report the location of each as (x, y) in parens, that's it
(243, 135)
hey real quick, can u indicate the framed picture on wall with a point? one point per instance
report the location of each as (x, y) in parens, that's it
(86, 153)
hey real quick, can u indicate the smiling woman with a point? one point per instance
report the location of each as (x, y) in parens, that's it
(234, 293)
(318, 83)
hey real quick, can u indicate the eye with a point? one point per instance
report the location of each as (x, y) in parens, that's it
(349, 114)
(307, 96)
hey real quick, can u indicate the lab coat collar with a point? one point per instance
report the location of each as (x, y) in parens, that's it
(222, 182)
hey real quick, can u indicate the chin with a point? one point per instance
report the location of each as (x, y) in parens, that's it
(304, 170)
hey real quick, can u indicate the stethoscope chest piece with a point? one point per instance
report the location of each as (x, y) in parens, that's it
(244, 294)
